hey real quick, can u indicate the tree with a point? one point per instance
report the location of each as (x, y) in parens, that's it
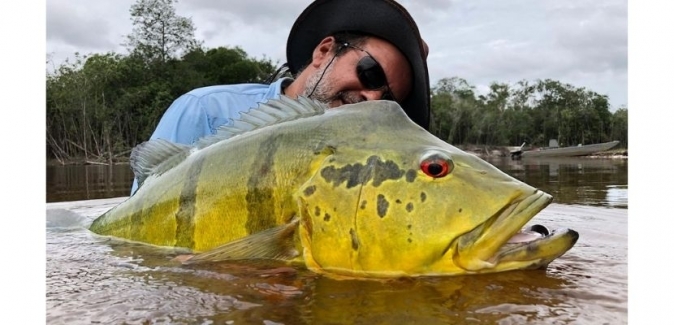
(619, 126)
(452, 109)
(158, 33)
(523, 112)
(491, 127)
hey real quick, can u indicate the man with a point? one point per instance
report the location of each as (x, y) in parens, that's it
(340, 52)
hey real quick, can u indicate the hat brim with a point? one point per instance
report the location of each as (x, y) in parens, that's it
(385, 19)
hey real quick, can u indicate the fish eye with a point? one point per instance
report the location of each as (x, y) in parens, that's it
(436, 164)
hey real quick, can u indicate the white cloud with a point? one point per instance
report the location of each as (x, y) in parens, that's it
(583, 43)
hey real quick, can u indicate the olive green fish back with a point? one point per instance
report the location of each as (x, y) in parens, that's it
(239, 184)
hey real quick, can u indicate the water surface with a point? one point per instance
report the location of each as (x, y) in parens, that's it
(93, 279)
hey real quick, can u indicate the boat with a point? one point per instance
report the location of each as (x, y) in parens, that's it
(554, 150)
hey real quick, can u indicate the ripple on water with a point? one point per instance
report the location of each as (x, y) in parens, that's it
(85, 284)
(93, 279)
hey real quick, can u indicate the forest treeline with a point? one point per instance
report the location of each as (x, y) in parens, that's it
(100, 106)
(531, 112)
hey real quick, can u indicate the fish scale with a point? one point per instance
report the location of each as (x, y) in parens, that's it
(346, 191)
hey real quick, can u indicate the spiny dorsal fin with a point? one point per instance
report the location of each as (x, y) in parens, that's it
(154, 157)
(272, 112)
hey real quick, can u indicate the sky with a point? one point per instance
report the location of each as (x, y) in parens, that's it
(580, 42)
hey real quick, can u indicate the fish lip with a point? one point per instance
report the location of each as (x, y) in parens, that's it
(509, 250)
(475, 250)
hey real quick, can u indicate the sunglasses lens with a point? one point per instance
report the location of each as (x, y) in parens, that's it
(370, 73)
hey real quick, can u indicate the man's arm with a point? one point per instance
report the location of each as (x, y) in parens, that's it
(201, 111)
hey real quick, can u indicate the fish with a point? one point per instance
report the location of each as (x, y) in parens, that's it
(356, 191)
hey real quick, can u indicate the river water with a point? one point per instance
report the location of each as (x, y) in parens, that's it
(93, 279)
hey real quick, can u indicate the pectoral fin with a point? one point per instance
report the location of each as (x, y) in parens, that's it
(276, 243)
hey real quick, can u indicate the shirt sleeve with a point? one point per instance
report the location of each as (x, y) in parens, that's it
(184, 121)
(201, 111)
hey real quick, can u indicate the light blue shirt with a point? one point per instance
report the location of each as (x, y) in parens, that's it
(201, 111)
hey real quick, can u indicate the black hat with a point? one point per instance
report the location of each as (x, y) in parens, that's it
(385, 19)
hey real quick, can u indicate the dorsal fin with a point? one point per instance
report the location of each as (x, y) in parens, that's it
(154, 157)
(272, 112)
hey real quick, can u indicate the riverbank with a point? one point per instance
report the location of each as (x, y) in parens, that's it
(84, 161)
(485, 152)
(481, 151)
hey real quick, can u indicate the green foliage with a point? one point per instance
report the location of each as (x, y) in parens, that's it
(453, 105)
(158, 33)
(221, 66)
(619, 125)
(102, 105)
(524, 112)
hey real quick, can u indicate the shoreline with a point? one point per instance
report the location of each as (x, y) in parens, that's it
(480, 151)
(504, 152)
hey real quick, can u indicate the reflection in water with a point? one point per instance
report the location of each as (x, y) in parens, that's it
(84, 182)
(597, 182)
(94, 279)
(91, 279)
(484, 298)
(616, 195)
(576, 180)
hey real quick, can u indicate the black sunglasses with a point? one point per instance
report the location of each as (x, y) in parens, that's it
(371, 74)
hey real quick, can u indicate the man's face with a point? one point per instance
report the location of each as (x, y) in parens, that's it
(337, 83)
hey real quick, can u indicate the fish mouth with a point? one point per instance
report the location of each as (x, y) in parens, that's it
(534, 247)
(500, 243)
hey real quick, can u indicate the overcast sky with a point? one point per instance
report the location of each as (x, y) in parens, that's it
(580, 42)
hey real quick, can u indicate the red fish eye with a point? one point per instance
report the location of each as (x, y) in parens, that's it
(437, 167)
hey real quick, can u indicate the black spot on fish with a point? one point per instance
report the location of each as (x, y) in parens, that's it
(326, 217)
(409, 226)
(354, 239)
(409, 207)
(358, 174)
(409, 240)
(410, 175)
(317, 211)
(363, 204)
(460, 210)
(382, 205)
(423, 196)
(309, 190)
(398, 201)
(351, 174)
(384, 171)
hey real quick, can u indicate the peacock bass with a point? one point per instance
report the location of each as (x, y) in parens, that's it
(358, 190)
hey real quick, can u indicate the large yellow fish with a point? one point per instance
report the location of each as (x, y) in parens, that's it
(358, 190)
